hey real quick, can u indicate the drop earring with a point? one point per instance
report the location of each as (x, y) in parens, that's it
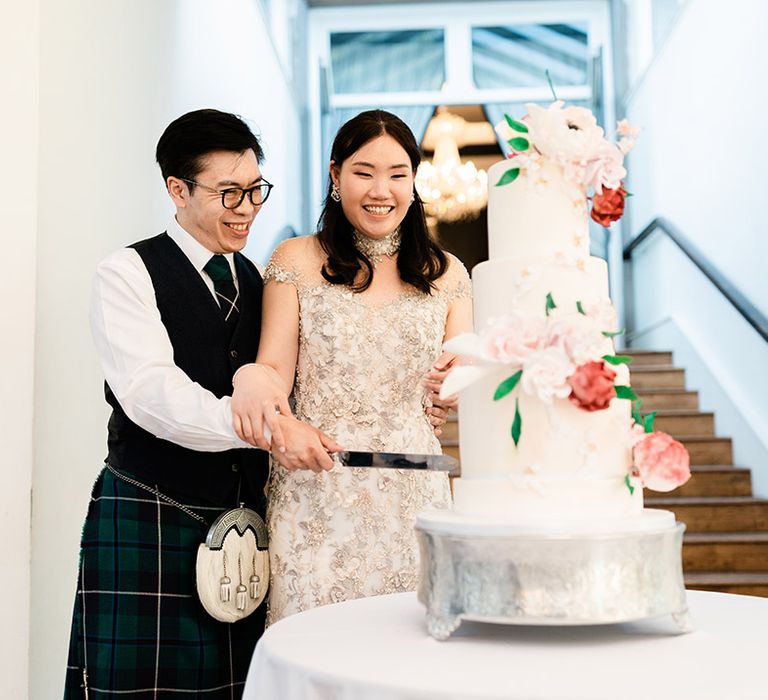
(335, 194)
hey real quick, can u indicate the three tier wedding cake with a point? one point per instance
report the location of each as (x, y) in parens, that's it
(548, 420)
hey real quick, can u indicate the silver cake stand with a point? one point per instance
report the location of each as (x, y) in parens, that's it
(491, 572)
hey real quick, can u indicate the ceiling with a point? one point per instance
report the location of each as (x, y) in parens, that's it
(353, 3)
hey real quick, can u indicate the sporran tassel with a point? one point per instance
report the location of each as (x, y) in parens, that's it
(241, 597)
(225, 589)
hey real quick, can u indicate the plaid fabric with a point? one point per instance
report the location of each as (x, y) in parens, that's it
(138, 628)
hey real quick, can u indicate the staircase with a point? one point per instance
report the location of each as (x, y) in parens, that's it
(725, 547)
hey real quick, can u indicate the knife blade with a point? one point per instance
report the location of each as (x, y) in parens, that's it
(398, 460)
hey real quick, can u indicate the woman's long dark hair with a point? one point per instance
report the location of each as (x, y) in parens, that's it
(420, 260)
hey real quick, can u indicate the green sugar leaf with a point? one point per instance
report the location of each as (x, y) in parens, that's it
(516, 125)
(519, 143)
(613, 334)
(617, 359)
(507, 385)
(517, 423)
(648, 421)
(509, 176)
(636, 415)
(580, 308)
(628, 482)
(625, 392)
(550, 303)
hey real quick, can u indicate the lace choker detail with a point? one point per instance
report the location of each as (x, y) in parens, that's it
(376, 248)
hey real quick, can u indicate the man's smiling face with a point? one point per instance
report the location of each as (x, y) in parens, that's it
(201, 213)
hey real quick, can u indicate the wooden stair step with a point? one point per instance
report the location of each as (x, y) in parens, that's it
(716, 513)
(657, 377)
(711, 480)
(708, 450)
(681, 422)
(450, 447)
(725, 551)
(647, 357)
(743, 583)
(660, 399)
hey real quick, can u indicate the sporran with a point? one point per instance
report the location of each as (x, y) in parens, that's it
(232, 570)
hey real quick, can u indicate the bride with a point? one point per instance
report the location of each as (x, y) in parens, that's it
(354, 318)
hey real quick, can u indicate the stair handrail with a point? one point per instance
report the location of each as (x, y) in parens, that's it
(746, 308)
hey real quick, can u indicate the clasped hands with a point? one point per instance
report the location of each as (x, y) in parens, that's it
(262, 417)
(437, 409)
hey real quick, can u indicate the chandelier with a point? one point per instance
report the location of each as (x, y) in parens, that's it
(451, 190)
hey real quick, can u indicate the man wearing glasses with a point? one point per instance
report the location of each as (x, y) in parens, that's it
(173, 318)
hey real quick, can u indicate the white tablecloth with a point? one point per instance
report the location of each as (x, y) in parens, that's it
(377, 648)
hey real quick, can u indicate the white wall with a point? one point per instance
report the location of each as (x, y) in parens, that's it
(701, 164)
(18, 199)
(112, 75)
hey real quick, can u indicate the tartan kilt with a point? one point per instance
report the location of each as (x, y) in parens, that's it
(138, 627)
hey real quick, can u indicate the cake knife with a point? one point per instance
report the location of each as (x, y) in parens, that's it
(397, 460)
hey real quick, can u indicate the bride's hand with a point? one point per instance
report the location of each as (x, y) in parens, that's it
(258, 398)
(438, 409)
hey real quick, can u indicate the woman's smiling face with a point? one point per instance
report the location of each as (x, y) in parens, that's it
(376, 185)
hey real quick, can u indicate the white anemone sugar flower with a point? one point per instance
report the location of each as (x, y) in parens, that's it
(545, 374)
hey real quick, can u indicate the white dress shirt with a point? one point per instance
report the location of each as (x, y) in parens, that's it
(137, 356)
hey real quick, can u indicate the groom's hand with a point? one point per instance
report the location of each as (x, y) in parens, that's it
(306, 447)
(258, 398)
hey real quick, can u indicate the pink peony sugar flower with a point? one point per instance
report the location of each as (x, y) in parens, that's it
(592, 386)
(662, 462)
(513, 338)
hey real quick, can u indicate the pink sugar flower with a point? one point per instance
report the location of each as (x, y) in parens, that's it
(662, 462)
(592, 386)
(512, 339)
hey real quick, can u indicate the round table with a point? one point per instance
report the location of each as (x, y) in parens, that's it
(378, 648)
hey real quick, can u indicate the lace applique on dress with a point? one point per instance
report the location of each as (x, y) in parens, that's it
(349, 533)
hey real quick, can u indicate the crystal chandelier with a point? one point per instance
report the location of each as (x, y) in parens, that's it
(450, 189)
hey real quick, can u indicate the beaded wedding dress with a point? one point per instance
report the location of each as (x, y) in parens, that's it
(348, 533)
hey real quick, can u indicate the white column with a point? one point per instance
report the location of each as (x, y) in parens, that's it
(19, 87)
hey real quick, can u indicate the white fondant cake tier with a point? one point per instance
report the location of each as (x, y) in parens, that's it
(539, 214)
(557, 440)
(522, 284)
(530, 498)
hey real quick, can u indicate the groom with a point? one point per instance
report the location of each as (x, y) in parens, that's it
(173, 317)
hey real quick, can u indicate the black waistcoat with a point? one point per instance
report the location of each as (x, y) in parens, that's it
(202, 350)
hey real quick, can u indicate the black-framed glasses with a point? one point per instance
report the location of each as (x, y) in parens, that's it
(232, 197)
